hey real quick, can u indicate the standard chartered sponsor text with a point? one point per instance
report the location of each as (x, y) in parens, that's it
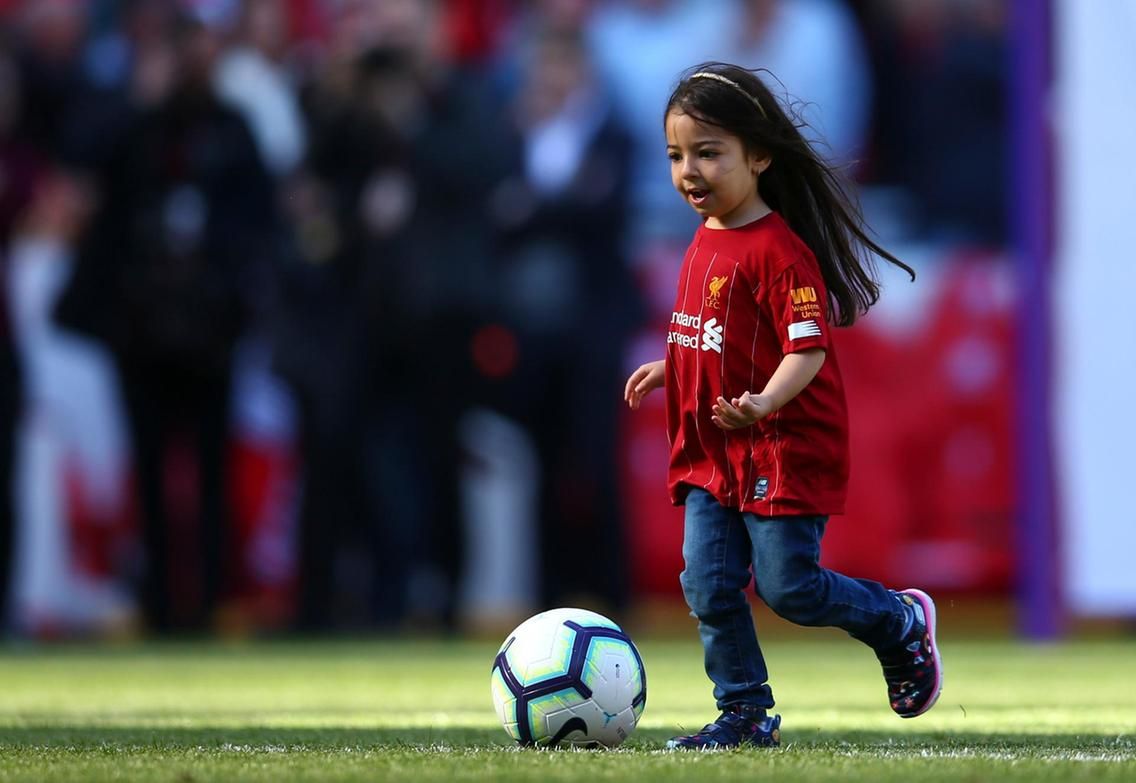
(688, 321)
(684, 340)
(682, 319)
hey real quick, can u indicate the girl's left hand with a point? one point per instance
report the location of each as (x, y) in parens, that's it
(741, 411)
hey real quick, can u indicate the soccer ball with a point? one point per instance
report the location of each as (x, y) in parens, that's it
(571, 676)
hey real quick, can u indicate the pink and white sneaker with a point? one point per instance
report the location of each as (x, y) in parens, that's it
(913, 669)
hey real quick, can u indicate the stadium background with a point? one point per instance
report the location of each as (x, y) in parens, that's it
(424, 403)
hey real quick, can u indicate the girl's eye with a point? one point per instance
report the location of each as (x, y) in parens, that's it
(709, 154)
(674, 156)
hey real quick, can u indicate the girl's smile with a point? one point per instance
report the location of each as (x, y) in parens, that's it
(697, 196)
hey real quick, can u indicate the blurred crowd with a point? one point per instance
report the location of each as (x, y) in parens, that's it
(435, 227)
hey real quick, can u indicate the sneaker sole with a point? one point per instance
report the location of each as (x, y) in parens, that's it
(929, 613)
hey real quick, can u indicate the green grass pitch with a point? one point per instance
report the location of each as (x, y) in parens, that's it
(421, 711)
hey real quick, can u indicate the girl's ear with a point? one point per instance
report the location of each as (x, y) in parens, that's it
(759, 165)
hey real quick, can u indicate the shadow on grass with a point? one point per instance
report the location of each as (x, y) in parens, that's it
(332, 740)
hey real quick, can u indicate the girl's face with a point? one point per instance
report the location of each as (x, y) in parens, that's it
(713, 172)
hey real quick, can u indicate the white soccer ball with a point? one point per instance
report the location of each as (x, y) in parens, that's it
(569, 676)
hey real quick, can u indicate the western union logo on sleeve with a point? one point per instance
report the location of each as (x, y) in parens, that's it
(807, 328)
(803, 295)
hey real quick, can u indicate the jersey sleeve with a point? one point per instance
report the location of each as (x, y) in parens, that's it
(798, 302)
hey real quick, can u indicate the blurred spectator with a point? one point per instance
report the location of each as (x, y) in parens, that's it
(320, 350)
(19, 168)
(940, 119)
(642, 47)
(253, 78)
(567, 293)
(404, 155)
(42, 209)
(71, 111)
(521, 31)
(164, 278)
(71, 498)
(815, 61)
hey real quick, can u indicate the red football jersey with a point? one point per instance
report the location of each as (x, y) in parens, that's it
(747, 297)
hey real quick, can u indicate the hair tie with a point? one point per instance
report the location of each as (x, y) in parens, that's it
(719, 77)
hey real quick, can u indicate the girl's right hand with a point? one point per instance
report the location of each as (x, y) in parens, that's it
(644, 381)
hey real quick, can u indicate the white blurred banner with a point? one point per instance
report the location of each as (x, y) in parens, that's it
(1094, 317)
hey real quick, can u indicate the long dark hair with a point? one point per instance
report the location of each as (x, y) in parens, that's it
(808, 192)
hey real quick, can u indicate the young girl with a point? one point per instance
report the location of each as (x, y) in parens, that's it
(755, 405)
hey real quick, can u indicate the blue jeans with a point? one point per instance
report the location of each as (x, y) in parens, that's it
(720, 545)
